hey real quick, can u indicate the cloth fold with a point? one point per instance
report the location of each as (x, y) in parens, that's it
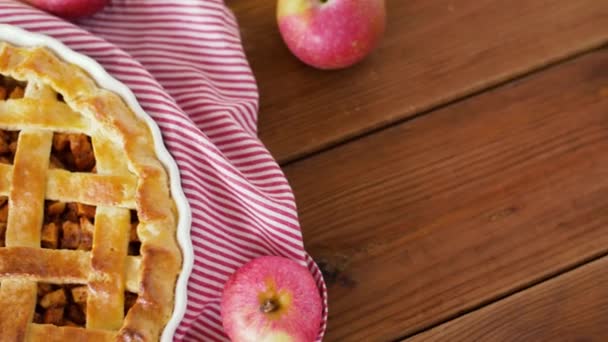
(185, 63)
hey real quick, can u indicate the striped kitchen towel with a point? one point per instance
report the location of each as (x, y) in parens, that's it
(185, 63)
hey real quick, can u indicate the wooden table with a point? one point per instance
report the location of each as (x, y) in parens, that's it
(454, 186)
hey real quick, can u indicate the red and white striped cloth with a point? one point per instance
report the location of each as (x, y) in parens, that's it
(185, 63)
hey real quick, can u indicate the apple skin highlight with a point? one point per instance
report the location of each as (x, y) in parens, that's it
(70, 8)
(332, 34)
(271, 299)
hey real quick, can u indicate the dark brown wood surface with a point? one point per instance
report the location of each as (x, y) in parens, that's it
(464, 161)
(449, 211)
(434, 51)
(572, 307)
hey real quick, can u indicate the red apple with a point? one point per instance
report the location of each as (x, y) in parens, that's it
(271, 299)
(70, 8)
(331, 34)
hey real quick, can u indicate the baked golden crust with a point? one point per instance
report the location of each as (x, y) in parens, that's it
(128, 177)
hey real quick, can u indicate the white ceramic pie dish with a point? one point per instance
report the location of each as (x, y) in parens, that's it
(19, 37)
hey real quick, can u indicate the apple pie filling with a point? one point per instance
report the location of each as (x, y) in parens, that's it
(71, 226)
(61, 304)
(66, 304)
(11, 89)
(8, 145)
(3, 219)
(134, 242)
(68, 226)
(72, 152)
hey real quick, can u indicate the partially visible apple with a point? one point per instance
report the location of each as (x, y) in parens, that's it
(271, 299)
(331, 34)
(70, 8)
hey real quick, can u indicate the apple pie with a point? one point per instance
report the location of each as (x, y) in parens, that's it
(88, 248)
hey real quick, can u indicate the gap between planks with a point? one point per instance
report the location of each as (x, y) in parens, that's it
(516, 77)
(525, 287)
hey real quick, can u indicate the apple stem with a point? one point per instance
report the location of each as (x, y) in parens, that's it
(269, 306)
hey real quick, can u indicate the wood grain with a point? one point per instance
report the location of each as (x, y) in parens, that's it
(434, 51)
(572, 307)
(424, 220)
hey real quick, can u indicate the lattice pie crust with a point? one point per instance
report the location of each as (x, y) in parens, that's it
(88, 248)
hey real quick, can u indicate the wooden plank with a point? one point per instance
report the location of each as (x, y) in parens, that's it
(434, 51)
(426, 219)
(572, 307)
